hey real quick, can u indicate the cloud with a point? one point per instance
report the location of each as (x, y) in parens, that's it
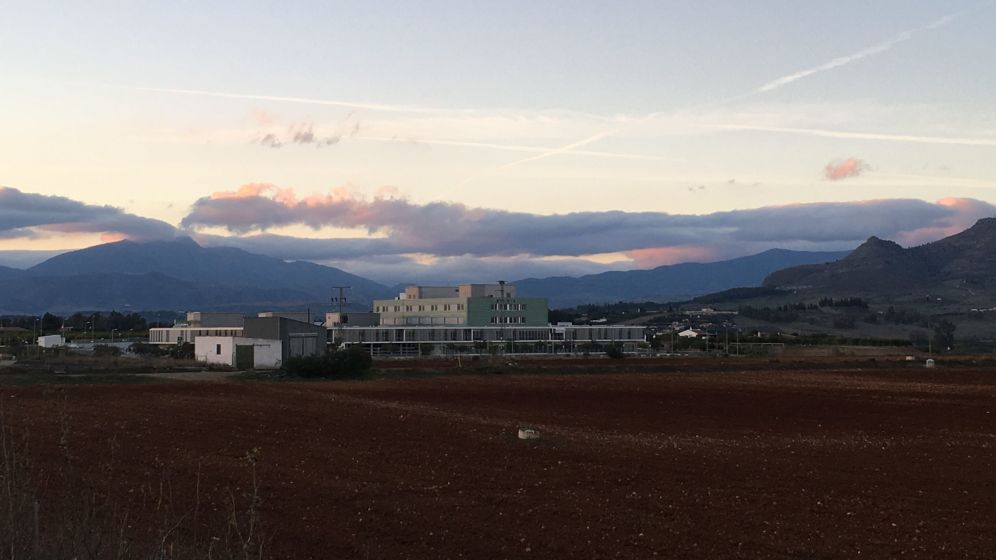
(270, 141)
(451, 229)
(304, 134)
(25, 215)
(907, 138)
(380, 107)
(844, 168)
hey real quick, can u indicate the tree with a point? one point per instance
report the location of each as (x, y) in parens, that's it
(944, 334)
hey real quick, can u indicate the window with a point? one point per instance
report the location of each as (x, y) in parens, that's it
(217, 349)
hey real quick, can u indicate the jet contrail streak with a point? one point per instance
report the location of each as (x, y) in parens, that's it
(770, 86)
(863, 53)
(512, 147)
(951, 140)
(306, 100)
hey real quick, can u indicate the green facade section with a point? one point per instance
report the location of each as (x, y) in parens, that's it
(485, 312)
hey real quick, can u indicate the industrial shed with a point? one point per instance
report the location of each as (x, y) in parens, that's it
(265, 343)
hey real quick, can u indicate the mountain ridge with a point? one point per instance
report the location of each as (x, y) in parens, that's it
(668, 282)
(966, 259)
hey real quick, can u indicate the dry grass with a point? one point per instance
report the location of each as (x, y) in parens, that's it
(68, 509)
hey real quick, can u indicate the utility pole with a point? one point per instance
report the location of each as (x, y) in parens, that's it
(341, 301)
(498, 314)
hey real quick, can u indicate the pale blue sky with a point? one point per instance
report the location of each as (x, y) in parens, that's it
(467, 89)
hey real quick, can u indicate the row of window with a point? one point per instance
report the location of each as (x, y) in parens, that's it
(508, 307)
(424, 321)
(508, 320)
(412, 308)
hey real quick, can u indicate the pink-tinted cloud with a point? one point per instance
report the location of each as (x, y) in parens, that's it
(659, 256)
(965, 212)
(843, 169)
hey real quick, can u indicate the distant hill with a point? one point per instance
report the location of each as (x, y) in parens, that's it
(176, 274)
(964, 262)
(7, 273)
(671, 282)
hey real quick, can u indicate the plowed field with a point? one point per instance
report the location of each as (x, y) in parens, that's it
(820, 462)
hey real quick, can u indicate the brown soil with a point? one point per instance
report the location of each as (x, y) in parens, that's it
(705, 459)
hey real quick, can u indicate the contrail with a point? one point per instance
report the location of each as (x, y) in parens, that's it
(863, 53)
(513, 148)
(953, 140)
(770, 86)
(307, 100)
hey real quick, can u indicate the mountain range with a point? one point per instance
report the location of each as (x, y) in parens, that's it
(669, 282)
(182, 275)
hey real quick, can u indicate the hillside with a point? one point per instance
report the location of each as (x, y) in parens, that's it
(963, 263)
(670, 282)
(175, 275)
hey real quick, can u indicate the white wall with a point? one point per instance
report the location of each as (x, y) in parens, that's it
(267, 353)
(51, 341)
(206, 350)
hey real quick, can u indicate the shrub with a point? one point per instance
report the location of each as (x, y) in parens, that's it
(104, 351)
(615, 352)
(353, 360)
(344, 362)
(144, 349)
(308, 366)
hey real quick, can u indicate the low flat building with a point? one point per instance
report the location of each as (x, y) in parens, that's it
(183, 334)
(412, 340)
(263, 343)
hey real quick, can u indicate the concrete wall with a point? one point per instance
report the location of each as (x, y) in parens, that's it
(425, 312)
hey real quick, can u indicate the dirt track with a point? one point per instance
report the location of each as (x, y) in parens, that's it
(830, 463)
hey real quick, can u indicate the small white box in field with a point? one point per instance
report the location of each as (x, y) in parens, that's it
(528, 433)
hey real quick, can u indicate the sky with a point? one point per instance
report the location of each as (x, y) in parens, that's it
(432, 141)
